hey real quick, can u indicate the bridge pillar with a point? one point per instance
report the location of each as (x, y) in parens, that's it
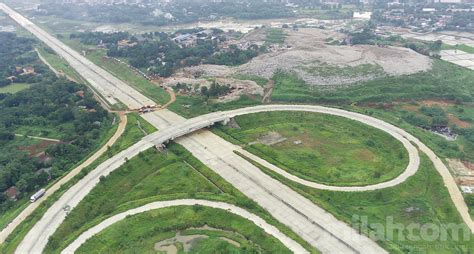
(160, 147)
(226, 121)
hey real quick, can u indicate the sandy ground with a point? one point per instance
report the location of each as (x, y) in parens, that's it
(306, 49)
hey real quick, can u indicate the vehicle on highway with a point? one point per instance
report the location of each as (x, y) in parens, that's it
(37, 195)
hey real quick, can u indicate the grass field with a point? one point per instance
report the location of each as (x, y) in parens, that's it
(275, 36)
(14, 87)
(419, 201)
(139, 233)
(149, 177)
(333, 150)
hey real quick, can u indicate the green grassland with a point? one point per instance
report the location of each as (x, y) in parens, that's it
(419, 201)
(139, 233)
(461, 148)
(334, 150)
(14, 87)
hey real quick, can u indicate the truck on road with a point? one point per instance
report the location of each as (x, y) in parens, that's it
(37, 195)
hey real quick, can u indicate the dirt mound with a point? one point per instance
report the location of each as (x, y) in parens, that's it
(306, 53)
(238, 87)
(322, 66)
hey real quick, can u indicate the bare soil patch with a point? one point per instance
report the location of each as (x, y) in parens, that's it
(463, 171)
(37, 149)
(271, 138)
(458, 122)
(238, 87)
(440, 103)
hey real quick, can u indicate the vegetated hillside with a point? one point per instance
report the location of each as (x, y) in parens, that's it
(51, 108)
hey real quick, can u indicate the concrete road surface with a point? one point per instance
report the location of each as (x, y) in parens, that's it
(269, 229)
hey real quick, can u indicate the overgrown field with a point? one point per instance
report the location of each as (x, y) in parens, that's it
(140, 233)
(321, 148)
(152, 176)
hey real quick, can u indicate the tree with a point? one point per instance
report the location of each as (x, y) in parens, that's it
(436, 46)
(205, 91)
(6, 135)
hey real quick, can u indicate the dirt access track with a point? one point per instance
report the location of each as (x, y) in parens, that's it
(306, 53)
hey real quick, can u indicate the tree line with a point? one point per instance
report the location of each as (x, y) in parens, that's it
(160, 14)
(159, 54)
